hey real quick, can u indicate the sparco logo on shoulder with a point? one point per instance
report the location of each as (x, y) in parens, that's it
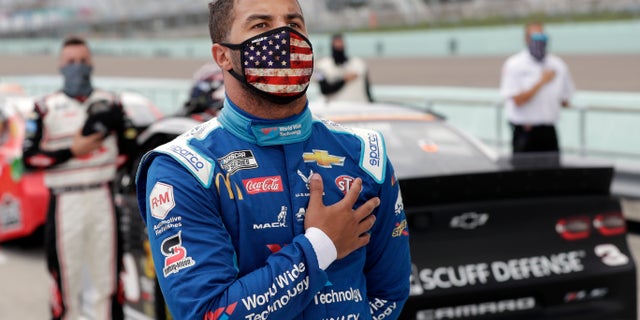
(374, 149)
(191, 158)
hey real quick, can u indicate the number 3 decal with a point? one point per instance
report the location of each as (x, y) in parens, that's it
(611, 255)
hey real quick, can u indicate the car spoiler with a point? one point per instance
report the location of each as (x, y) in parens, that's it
(508, 184)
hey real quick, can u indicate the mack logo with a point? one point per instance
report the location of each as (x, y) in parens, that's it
(238, 160)
(344, 183)
(281, 221)
(191, 158)
(161, 200)
(478, 309)
(263, 184)
(323, 158)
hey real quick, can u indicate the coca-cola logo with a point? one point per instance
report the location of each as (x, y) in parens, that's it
(263, 184)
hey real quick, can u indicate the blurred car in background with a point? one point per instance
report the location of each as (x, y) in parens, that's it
(491, 238)
(496, 238)
(24, 198)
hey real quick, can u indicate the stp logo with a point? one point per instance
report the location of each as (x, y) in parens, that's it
(161, 200)
(344, 183)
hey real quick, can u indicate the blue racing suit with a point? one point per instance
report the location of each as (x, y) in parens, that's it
(224, 206)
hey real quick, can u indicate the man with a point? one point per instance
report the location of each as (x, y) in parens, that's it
(75, 135)
(235, 208)
(342, 78)
(535, 86)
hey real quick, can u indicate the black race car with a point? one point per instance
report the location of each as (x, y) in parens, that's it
(491, 237)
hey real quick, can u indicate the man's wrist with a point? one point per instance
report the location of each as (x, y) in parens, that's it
(323, 246)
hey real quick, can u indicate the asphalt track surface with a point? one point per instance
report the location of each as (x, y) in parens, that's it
(24, 284)
(590, 72)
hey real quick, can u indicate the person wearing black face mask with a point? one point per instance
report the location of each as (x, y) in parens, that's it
(535, 85)
(75, 136)
(235, 208)
(343, 78)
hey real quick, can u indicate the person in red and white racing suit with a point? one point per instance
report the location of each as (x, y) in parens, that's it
(75, 135)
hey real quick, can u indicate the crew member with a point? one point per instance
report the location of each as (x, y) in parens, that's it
(343, 78)
(535, 85)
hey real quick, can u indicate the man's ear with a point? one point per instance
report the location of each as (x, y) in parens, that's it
(222, 56)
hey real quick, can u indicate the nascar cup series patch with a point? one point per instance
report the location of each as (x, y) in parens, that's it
(161, 200)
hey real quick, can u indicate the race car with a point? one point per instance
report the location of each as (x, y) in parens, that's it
(24, 198)
(491, 237)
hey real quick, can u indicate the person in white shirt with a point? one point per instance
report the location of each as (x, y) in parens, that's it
(535, 85)
(343, 78)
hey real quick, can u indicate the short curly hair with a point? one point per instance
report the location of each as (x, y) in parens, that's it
(221, 17)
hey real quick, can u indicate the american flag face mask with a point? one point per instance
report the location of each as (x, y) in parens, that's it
(276, 64)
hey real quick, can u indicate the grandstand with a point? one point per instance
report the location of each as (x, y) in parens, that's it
(179, 18)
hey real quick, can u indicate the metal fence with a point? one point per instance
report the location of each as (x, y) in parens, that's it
(590, 128)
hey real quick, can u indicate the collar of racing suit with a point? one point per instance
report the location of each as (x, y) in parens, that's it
(265, 132)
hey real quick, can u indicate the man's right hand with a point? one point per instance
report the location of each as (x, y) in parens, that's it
(547, 75)
(347, 228)
(350, 76)
(83, 145)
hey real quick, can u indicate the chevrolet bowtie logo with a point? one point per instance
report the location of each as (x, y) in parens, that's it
(323, 158)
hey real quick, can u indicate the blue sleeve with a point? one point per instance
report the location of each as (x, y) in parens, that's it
(195, 259)
(388, 264)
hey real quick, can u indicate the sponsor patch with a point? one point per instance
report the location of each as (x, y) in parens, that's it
(323, 158)
(280, 222)
(344, 183)
(161, 200)
(167, 225)
(196, 163)
(285, 287)
(400, 229)
(221, 313)
(399, 206)
(372, 159)
(381, 309)
(263, 184)
(238, 160)
(176, 258)
(306, 179)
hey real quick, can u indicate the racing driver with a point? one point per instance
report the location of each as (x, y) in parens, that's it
(76, 135)
(267, 211)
